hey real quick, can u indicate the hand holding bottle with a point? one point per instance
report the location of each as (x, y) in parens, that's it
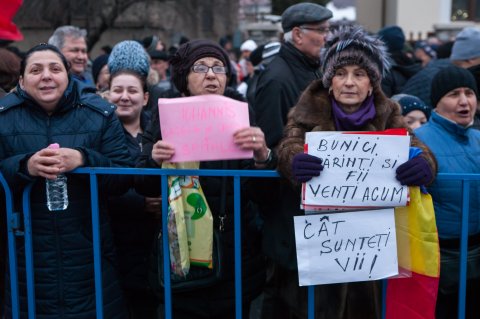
(56, 189)
(53, 160)
(44, 163)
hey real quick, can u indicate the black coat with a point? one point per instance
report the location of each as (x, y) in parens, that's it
(403, 68)
(420, 84)
(62, 241)
(133, 228)
(218, 299)
(278, 88)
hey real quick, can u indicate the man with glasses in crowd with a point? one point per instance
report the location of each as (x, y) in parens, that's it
(305, 27)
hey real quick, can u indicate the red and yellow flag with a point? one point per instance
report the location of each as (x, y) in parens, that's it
(415, 297)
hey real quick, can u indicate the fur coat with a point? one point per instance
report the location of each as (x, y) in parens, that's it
(313, 112)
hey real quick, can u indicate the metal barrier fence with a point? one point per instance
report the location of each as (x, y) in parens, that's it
(14, 229)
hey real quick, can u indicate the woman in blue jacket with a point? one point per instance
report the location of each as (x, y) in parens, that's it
(49, 107)
(456, 146)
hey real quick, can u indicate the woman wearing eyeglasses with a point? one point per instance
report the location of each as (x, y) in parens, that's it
(202, 67)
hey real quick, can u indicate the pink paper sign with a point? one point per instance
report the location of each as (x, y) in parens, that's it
(201, 127)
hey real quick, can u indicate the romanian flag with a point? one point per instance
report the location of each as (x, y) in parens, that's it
(419, 255)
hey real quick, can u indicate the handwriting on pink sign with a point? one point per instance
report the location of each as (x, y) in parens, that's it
(201, 128)
(207, 112)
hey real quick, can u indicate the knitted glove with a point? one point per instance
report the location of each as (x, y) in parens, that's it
(414, 172)
(305, 166)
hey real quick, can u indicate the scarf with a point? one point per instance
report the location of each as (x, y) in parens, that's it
(353, 121)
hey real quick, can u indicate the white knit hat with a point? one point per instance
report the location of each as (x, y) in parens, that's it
(248, 45)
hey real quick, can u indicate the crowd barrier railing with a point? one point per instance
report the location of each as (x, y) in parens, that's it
(15, 229)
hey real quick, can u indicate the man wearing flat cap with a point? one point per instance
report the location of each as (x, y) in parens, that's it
(305, 26)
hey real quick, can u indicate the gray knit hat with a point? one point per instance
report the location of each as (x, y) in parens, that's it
(351, 45)
(129, 55)
(466, 45)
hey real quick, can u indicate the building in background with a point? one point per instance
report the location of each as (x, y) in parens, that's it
(419, 19)
(242, 19)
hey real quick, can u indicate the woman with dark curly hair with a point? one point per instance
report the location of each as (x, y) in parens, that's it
(9, 71)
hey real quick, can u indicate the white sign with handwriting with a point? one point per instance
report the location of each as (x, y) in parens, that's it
(346, 247)
(359, 169)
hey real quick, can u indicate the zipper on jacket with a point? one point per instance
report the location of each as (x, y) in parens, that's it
(49, 134)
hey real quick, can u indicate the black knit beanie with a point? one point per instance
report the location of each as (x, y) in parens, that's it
(448, 79)
(187, 54)
(98, 64)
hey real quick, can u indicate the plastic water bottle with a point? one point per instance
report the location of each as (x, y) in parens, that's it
(57, 194)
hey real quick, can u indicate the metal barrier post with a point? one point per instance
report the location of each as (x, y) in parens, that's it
(311, 302)
(13, 225)
(384, 299)
(29, 251)
(463, 249)
(97, 250)
(166, 251)
(238, 246)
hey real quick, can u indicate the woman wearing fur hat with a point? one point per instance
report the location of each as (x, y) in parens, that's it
(455, 144)
(202, 67)
(348, 98)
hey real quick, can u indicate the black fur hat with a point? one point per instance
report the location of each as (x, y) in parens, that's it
(351, 45)
(190, 52)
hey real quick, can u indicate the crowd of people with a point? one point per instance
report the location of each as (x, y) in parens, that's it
(103, 113)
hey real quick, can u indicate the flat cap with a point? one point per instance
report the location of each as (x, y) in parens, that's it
(303, 13)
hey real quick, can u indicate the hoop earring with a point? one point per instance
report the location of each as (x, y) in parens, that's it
(370, 92)
(330, 90)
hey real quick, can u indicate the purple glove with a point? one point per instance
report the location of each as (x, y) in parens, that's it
(305, 166)
(415, 172)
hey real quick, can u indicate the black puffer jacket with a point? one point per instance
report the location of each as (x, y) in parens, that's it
(219, 299)
(62, 241)
(133, 227)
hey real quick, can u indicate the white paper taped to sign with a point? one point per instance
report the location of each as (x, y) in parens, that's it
(359, 170)
(346, 247)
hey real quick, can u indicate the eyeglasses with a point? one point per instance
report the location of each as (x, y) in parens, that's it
(202, 68)
(321, 30)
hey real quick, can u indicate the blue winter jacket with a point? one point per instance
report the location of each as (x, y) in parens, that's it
(457, 150)
(62, 241)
